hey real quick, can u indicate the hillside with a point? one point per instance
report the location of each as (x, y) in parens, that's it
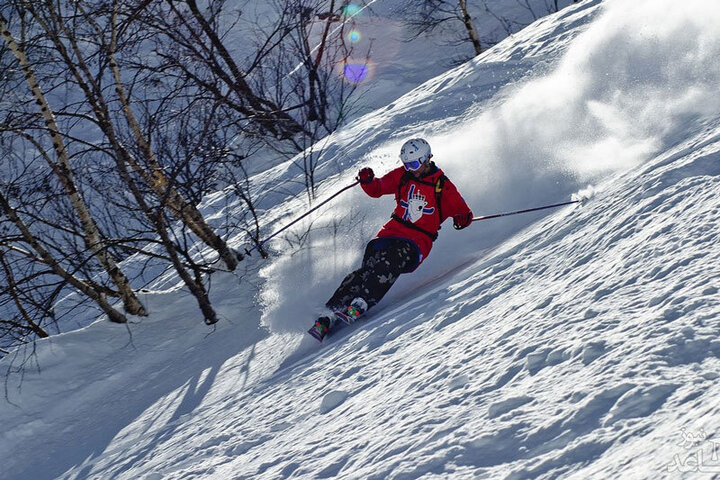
(573, 343)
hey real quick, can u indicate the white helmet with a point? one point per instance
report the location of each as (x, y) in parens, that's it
(415, 152)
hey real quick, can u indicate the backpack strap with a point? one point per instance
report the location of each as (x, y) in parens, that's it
(438, 195)
(403, 181)
(433, 236)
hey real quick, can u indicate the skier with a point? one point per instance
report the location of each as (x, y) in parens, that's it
(425, 198)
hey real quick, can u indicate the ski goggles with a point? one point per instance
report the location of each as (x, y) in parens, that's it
(413, 166)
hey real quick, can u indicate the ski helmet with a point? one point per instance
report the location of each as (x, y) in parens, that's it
(414, 153)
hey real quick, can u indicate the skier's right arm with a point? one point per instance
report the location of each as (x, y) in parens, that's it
(377, 187)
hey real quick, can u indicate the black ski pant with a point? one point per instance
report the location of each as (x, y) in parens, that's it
(384, 261)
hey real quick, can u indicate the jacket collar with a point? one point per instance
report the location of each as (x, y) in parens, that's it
(432, 171)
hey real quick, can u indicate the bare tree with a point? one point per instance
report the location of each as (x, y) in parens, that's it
(189, 43)
(453, 20)
(20, 297)
(38, 254)
(65, 175)
(316, 49)
(133, 111)
(283, 91)
(128, 170)
(427, 16)
(470, 27)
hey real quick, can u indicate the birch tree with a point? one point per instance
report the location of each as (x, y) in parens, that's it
(62, 169)
(427, 16)
(139, 109)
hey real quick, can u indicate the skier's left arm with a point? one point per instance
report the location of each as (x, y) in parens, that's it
(454, 206)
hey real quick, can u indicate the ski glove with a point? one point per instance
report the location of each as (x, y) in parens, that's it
(462, 220)
(366, 175)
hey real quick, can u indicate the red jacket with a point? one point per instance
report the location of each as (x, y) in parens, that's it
(417, 216)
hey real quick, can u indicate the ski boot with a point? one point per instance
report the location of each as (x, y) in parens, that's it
(356, 308)
(321, 328)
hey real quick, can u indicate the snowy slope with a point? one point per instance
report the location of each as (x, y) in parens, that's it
(579, 343)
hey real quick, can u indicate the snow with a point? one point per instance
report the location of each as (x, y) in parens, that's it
(575, 343)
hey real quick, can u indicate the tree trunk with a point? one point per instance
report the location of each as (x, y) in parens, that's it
(470, 27)
(154, 175)
(195, 286)
(178, 205)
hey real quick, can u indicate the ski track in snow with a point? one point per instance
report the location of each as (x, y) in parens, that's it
(577, 344)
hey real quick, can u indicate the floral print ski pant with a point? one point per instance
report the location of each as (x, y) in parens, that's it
(384, 260)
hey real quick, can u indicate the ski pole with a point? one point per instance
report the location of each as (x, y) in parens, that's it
(488, 217)
(300, 218)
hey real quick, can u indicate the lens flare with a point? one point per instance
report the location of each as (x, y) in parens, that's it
(354, 36)
(356, 72)
(351, 10)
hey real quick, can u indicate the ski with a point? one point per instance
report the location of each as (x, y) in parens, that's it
(321, 328)
(316, 334)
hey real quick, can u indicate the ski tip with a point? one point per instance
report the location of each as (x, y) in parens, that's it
(315, 334)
